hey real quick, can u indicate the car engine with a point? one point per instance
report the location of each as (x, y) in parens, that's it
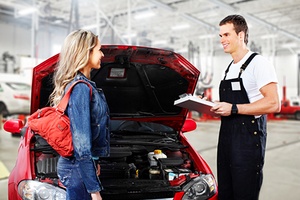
(132, 168)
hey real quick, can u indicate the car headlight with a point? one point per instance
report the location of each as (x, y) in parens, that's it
(34, 190)
(199, 188)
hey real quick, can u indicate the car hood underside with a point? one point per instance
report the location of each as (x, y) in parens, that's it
(139, 83)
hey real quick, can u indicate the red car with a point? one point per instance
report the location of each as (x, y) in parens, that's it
(140, 85)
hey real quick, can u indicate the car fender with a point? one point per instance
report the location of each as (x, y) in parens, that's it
(23, 167)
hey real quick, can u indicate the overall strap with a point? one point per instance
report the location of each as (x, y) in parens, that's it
(226, 71)
(243, 67)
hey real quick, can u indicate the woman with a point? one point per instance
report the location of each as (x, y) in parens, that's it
(89, 115)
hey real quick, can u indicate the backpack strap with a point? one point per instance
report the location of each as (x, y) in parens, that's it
(64, 101)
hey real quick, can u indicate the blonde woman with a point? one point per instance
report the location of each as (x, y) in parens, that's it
(89, 115)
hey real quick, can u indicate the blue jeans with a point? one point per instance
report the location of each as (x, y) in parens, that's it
(70, 176)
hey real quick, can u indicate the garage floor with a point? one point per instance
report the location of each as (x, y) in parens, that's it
(282, 165)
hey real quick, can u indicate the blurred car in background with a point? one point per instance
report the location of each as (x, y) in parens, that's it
(150, 156)
(14, 95)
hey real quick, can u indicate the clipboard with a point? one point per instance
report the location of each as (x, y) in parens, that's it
(195, 103)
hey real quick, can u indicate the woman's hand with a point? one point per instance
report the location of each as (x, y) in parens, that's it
(98, 169)
(96, 196)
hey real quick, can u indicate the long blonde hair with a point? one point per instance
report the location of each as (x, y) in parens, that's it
(74, 56)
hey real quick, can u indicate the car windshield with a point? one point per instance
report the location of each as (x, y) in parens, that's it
(19, 86)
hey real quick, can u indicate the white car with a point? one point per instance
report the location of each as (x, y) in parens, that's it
(14, 95)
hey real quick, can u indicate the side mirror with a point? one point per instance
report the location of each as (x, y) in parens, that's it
(189, 125)
(13, 125)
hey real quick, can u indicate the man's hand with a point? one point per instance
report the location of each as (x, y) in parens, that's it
(222, 108)
(202, 96)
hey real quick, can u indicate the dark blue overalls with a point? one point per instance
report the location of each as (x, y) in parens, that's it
(241, 147)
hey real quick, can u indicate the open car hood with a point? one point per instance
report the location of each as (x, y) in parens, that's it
(139, 83)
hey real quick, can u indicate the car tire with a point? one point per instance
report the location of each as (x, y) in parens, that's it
(297, 115)
(3, 109)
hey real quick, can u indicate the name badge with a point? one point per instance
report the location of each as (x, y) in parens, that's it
(235, 86)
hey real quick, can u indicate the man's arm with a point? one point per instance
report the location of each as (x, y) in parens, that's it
(270, 103)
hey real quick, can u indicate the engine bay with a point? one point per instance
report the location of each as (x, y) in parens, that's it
(132, 168)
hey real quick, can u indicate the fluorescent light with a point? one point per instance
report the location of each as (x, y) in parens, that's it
(183, 50)
(91, 26)
(131, 35)
(180, 27)
(27, 11)
(289, 45)
(58, 21)
(157, 42)
(207, 36)
(269, 36)
(143, 15)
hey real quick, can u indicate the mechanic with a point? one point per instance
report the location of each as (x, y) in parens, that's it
(247, 93)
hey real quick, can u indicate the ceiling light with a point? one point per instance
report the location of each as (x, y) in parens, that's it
(269, 36)
(89, 27)
(131, 35)
(289, 45)
(180, 27)
(183, 50)
(157, 42)
(143, 15)
(58, 21)
(207, 36)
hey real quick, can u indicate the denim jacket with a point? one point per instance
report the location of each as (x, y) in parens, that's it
(89, 119)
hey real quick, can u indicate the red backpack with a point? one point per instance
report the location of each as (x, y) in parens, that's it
(54, 126)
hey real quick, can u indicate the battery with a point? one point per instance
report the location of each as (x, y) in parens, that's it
(173, 173)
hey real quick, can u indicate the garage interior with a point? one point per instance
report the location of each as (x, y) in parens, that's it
(33, 30)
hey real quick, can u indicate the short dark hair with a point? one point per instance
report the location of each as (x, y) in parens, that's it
(239, 24)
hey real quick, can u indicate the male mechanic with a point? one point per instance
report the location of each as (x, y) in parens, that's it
(247, 93)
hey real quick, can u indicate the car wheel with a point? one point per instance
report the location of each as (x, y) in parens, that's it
(297, 115)
(3, 109)
(16, 135)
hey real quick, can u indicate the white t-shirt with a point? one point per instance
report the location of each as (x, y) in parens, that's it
(258, 73)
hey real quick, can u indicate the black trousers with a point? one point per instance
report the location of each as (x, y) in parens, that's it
(240, 158)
